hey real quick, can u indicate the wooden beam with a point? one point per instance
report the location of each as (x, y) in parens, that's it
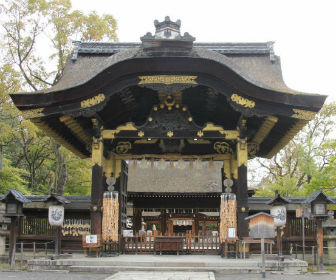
(216, 157)
(58, 138)
(288, 136)
(76, 129)
(265, 129)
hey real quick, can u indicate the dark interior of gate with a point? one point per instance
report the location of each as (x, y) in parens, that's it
(170, 101)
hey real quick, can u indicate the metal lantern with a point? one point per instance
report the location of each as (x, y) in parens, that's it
(318, 203)
(319, 209)
(14, 203)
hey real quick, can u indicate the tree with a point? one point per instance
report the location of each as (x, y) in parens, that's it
(11, 178)
(37, 39)
(296, 168)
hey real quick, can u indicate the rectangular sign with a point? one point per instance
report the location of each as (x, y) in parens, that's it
(231, 232)
(91, 239)
(127, 233)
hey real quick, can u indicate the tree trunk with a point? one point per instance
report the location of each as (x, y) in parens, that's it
(62, 176)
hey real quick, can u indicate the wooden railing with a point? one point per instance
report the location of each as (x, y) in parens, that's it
(192, 244)
(202, 243)
(35, 226)
(293, 230)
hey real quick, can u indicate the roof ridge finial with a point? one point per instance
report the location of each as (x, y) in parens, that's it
(166, 31)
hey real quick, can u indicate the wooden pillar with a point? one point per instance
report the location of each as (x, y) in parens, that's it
(97, 187)
(320, 243)
(226, 171)
(58, 240)
(234, 173)
(241, 192)
(196, 221)
(136, 219)
(163, 221)
(12, 241)
(122, 190)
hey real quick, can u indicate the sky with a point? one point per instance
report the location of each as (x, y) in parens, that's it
(304, 31)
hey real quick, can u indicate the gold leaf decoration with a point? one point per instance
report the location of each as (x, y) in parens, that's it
(170, 134)
(303, 114)
(33, 113)
(93, 101)
(167, 79)
(141, 134)
(123, 147)
(200, 133)
(242, 101)
(252, 149)
(222, 147)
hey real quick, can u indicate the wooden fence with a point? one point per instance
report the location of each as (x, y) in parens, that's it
(192, 244)
(35, 226)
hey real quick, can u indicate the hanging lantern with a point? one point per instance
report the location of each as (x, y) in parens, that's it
(181, 164)
(211, 164)
(279, 214)
(171, 164)
(162, 164)
(143, 163)
(198, 164)
(135, 163)
(56, 215)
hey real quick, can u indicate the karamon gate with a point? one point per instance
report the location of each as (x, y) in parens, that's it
(168, 98)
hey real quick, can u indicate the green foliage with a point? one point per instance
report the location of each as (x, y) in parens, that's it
(11, 178)
(36, 163)
(286, 187)
(79, 179)
(307, 163)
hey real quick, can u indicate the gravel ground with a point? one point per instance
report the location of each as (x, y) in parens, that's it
(24, 275)
(277, 276)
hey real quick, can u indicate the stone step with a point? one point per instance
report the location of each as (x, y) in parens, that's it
(125, 263)
(111, 269)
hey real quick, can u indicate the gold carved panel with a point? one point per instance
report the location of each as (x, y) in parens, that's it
(303, 114)
(244, 102)
(167, 79)
(93, 101)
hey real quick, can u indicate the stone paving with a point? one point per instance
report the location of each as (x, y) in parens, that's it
(157, 275)
(24, 275)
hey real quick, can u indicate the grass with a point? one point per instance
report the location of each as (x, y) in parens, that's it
(4, 266)
(333, 268)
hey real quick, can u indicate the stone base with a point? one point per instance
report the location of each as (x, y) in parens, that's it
(207, 263)
(2, 245)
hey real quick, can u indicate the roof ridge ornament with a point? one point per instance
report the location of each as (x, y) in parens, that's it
(166, 32)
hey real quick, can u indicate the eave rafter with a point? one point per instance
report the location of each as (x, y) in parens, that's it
(77, 130)
(52, 133)
(264, 129)
(288, 136)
